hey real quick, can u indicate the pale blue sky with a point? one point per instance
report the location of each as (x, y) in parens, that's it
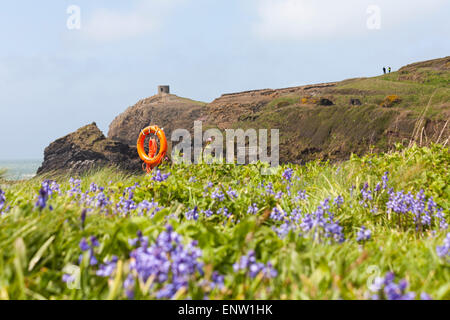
(54, 80)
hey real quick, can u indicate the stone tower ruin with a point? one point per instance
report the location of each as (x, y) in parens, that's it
(163, 89)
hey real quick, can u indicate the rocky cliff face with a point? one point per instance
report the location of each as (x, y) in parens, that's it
(86, 149)
(167, 111)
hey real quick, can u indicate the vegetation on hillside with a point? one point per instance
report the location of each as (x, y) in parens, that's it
(374, 227)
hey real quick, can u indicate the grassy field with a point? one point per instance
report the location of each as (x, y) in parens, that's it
(369, 228)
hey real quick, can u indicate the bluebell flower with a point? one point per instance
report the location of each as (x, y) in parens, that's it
(444, 250)
(84, 245)
(107, 268)
(301, 195)
(386, 289)
(41, 203)
(287, 174)
(83, 217)
(192, 214)
(208, 213)
(75, 187)
(225, 212)
(93, 187)
(251, 267)
(277, 214)
(170, 263)
(129, 285)
(217, 195)
(269, 189)
(253, 209)
(231, 193)
(385, 180)
(159, 177)
(2, 200)
(338, 201)
(364, 234)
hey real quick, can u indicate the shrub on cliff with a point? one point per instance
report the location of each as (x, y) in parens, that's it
(390, 101)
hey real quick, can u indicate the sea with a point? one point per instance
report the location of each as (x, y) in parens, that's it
(19, 169)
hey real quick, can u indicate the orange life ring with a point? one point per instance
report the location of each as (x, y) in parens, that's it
(151, 160)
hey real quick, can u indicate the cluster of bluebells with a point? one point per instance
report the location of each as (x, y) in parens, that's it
(171, 263)
(225, 212)
(321, 224)
(364, 234)
(387, 289)
(231, 193)
(253, 209)
(287, 174)
(85, 247)
(126, 203)
(192, 214)
(301, 195)
(96, 197)
(2, 202)
(108, 267)
(251, 267)
(338, 201)
(75, 187)
(48, 187)
(218, 195)
(160, 177)
(423, 212)
(278, 214)
(148, 208)
(444, 250)
(366, 195)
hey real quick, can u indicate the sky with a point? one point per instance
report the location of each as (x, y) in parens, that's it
(68, 63)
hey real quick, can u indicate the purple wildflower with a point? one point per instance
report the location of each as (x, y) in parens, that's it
(277, 214)
(364, 234)
(385, 180)
(269, 189)
(217, 194)
(231, 193)
(321, 224)
(160, 177)
(301, 195)
(128, 285)
(75, 187)
(251, 267)
(83, 217)
(108, 268)
(2, 200)
(208, 213)
(287, 174)
(444, 250)
(386, 289)
(338, 201)
(253, 209)
(41, 203)
(225, 212)
(192, 214)
(171, 263)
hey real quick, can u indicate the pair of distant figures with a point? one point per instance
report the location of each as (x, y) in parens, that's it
(388, 69)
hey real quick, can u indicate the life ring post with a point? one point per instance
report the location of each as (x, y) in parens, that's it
(152, 160)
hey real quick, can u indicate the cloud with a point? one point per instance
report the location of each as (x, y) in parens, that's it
(144, 17)
(300, 19)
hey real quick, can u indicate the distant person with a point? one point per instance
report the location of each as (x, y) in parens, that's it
(390, 69)
(384, 70)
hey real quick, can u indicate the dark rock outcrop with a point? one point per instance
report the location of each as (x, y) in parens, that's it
(87, 149)
(325, 102)
(355, 102)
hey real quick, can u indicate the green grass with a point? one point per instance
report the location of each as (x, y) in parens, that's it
(37, 245)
